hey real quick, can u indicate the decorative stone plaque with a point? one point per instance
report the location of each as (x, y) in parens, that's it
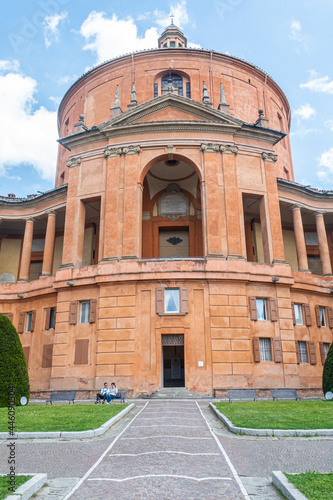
(173, 203)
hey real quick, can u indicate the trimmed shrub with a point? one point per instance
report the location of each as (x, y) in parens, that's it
(13, 367)
(328, 372)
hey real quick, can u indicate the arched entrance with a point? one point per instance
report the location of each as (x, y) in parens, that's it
(171, 211)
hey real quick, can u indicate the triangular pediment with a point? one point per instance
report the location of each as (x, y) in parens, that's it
(171, 108)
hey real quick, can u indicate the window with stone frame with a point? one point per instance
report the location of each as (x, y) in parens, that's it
(84, 312)
(298, 314)
(302, 352)
(265, 349)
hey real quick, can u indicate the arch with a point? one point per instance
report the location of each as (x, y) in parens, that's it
(165, 156)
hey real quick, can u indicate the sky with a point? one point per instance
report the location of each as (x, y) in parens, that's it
(46, 45)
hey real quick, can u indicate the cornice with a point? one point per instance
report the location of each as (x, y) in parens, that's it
(38, 201)
(304, 191)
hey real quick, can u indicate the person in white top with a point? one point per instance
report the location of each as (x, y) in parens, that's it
(113, 391)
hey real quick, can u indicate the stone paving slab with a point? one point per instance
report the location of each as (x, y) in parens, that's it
(145, 471)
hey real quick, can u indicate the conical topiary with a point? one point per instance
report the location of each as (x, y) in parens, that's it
(328, 372)
(14, 378)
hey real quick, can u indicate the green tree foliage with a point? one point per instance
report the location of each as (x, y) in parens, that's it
(14, 376)
(328, 371)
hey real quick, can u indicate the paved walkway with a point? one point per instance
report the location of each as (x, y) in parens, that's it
(167, 452)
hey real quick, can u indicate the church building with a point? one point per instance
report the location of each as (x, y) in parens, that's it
(176, 249)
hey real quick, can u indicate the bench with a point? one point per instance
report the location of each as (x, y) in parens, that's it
(284, 394)
(62, 396)
(121, 394)
(241, 394)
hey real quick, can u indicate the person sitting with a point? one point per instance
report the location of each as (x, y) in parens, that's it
(112, 393)
(102, 395)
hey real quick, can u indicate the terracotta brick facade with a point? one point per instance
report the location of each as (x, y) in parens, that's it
(196, 200)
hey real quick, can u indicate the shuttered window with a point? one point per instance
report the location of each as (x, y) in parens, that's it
(256, 350)
(33, 320)
(20, 327)
(265, 349)
(84, 312)
(253, 308)
(93, 311)
(329, 315)
(159, 300)
(26, 352)
(320, 316)
(73, 313)
(307, 311)
(47, 355)
(171, 300)
(184, 300)
(81, 352)
(277, 349)
(273, 309)
(47, 318)
(28, 323)
(302, 352)
(293, 313)
(312, 353)
(324, 348)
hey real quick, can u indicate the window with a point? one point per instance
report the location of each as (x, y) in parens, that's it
(29, 320)
(85, 312)
(155, 89)
(326, 347)
(172, 44)
(261, 309)
(177, 81)
(298, 314)
(265, 349)
(81, 352)
(171, 300)
(52, 318)
(188, 90)
(302, 352)
(322, 316)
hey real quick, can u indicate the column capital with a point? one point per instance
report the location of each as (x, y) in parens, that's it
(229, 149)
(320, 213)
(74, 162)
(52, 213)
(131, 150)
(210, 148)
(296, 207)
(29, 219)
(270, 157)
(112, 152)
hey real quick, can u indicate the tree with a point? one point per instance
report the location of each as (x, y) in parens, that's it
(14, 378)
(328, 371)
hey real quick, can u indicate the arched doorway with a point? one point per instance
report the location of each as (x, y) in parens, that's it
(171, 211)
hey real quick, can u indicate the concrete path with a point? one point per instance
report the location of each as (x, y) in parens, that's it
(168, 452)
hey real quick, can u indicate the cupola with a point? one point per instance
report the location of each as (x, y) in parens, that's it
(172, 37)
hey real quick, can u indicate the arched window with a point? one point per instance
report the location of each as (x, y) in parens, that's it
(177, 81)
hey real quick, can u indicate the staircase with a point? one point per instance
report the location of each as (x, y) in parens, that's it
(176, 393)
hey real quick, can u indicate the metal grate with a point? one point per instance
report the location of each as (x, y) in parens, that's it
(173, 339)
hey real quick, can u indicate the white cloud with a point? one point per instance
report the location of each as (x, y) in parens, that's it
(304, 112)
(51, 27)
(303, 132)
(192, 45)
(329, 123)
(179, 13)
(64, 80)
(319, 84)
(325, 173)
(6, 65)
(27, 135)
(109, 38)
(55, 100)
(296, 31)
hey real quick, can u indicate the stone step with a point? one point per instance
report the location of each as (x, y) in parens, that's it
(174, 393)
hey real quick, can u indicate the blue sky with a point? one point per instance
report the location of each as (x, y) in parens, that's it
(47, 44)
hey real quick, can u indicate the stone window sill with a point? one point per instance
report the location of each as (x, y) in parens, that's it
(171, 314)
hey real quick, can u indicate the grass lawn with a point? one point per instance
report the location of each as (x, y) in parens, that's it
(313, 485)
(279, 414)
(4, 484)
(60, 417)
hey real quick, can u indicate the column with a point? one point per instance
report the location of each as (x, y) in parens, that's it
(323, 244)
(232, 203)
(213, 211)
(26, 250)
(300, 240)
(69, 253)
(273, 237)
(49, 244)
(132, 206)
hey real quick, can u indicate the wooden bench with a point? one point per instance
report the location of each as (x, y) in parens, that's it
(241, 394)
(62, 396)
(284, 394)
